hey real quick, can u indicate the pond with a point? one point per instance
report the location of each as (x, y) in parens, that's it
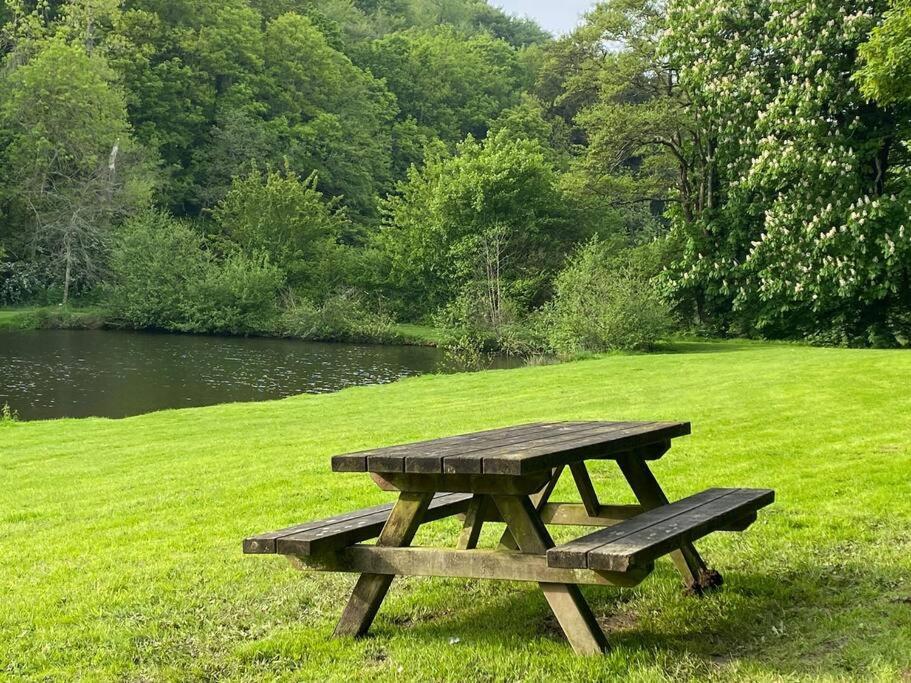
(78, 373)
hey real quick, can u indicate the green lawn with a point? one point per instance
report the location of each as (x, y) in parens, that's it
(120, 540)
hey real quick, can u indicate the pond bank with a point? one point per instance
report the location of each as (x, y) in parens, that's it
(96, 318)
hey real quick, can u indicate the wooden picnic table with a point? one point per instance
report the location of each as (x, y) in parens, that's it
(508, 475)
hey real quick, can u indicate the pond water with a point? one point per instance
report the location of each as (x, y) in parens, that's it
(78, 373)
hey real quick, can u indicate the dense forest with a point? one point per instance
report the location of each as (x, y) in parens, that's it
(322, 168)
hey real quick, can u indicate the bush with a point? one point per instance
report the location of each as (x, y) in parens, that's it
(347, 315)
(240, 295)
(164, 277)
(21, 282)
(603, 304)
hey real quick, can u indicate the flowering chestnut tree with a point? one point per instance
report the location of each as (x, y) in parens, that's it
(805, 229)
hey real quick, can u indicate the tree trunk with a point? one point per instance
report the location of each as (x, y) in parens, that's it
(68, 255)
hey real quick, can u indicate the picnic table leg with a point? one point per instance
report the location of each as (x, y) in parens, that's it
(538, 501)
(696, 575)
(371, 589)
(474, 520)
(565, 600)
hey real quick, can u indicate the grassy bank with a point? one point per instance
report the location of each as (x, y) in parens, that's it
(56, 317)
(120, 540)
(52, 318)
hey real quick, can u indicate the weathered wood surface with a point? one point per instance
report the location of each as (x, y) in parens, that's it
(370, 590)
(641, 539)
(696, 575)
(517, 451)
(469, 564)
(565, 599)
(337, 532)
(465, 483)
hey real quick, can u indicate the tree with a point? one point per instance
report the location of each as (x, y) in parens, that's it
(805, 234)
(449, 84)
(886, 56)
(488, 222)
(73, 166)
(291, 221)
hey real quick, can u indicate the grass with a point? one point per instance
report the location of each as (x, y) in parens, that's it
(120, 540)
(419, 335)
(51, 317)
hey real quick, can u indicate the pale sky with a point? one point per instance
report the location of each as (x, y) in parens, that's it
(557, 16)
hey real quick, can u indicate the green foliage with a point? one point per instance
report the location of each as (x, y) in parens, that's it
(278, 214)
(7, 415)
(604, 303)
(449, 84)
(347, 315)
(886, 56)
(489, 219)
(164, 277)
(54, 317)
(806, 231)
(72, 166)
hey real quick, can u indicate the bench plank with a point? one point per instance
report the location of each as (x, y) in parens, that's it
(341, 530)
(658, 531)
(644, 546)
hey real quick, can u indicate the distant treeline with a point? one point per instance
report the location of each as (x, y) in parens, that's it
(322, 168)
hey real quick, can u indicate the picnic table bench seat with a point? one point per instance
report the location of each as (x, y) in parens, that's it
(333, 533)
(638, 541)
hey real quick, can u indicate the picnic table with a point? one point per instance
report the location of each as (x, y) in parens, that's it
(508, 475)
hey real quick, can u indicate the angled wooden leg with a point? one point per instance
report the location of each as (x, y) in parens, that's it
(474, 521)
(696, 575)
(538, 500)
(370, 589)
(586, 488)
(565, 600)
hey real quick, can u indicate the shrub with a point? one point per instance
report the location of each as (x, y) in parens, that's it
(21, 282)
(603, 304)
(239, 295)
(347, 315)
(164, 277)
(290, 220)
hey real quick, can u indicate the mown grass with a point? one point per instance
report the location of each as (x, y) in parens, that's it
(120, 540)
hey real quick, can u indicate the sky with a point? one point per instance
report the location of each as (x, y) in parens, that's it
(557, 16)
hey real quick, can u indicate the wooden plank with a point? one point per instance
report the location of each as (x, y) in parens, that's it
(525, 461)
(339, 534)
(538, 500)
(371, 589)
(566, 601)
(264, 544)
(575, 553)
(496, 565)
(464, 483)
(474, 522)
(575, 514)
(643, 546)
(433, 460)
(357, 462)
(696, 575)
(459, 454)
(473, 461)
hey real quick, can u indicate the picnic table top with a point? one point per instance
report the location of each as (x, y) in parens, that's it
(516, 451)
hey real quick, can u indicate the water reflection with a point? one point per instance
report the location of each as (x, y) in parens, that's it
(61, 373)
